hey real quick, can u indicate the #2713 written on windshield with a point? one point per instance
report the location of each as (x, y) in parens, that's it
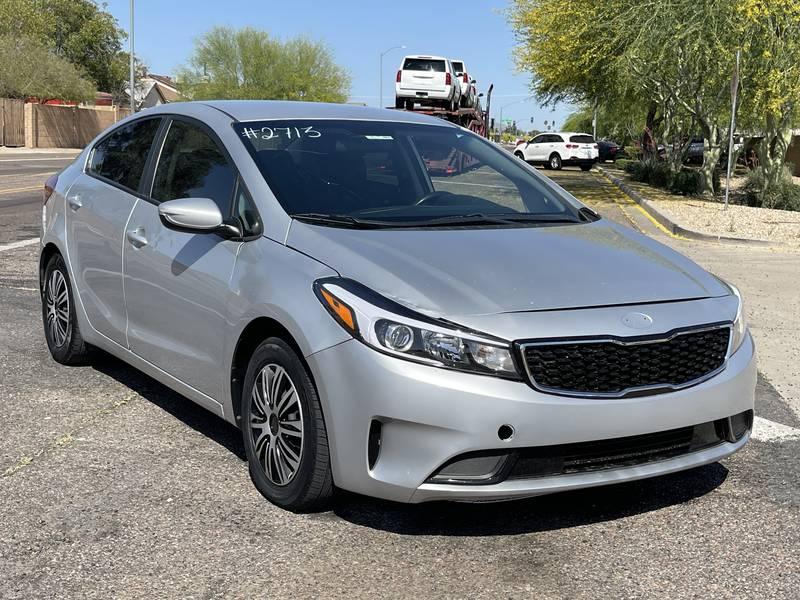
(269, 133)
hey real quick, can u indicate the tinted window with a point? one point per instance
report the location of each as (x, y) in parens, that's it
(193, 166)
(246, 212)
(423, 64)
(121, 156)
(539, 139)
(393, 172)
(581, 139)
(459, 67)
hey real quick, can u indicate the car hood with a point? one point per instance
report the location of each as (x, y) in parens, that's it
(478, 271)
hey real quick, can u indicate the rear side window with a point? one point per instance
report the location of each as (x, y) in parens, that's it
(121, 156)
(459, 67)
(581, 139)
(424, 64)
(192, 165)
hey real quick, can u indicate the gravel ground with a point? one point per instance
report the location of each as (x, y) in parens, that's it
(709, 216)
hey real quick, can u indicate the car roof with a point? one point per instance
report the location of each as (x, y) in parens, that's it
(264, 110)
(425, 56)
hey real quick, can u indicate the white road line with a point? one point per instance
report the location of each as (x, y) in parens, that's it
(20, 244)
(25, 159)
(765, 430)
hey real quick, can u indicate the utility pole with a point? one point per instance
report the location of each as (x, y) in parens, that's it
(734, 95)
(380, 105)
(594, 121)
(132, 82)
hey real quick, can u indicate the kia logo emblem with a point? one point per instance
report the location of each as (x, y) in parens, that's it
(637, 320)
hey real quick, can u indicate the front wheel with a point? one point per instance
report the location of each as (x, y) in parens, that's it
(284, 430)
(554, 162)
(519, 155)
(61, 330)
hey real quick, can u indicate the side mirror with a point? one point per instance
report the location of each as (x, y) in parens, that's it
(473, 81)
(200, 215)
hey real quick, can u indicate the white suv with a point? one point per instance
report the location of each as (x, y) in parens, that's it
(554, 150)
(468, 91)
(429, 80)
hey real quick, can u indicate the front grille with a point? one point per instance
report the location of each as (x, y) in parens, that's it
(598, 455)
(617, 366)
(609, 454)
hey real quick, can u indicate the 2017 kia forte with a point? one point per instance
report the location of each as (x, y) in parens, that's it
(375, 323)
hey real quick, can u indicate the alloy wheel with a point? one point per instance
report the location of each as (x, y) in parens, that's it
(57, 307)
(276, 424)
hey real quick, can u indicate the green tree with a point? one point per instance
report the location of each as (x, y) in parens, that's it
(249, 64)
(80, 31)
(27, 68)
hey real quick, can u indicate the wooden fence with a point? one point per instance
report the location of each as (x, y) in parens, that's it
(67, 126)
(12, 122)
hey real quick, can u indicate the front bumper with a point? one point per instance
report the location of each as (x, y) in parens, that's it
(430, 415)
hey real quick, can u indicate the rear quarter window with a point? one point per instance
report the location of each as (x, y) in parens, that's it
(121, 156)
(581, 139)
(424, 64)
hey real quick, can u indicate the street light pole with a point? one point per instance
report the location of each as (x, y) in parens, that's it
(133, 74)
(381, 78)
(502, 125)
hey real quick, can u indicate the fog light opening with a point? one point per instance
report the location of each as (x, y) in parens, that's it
(374, 443)
(505, 433)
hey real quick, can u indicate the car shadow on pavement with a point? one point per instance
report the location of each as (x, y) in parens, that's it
(183, 409)
(544, 513)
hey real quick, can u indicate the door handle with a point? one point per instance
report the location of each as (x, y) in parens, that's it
(74, 202)
(136, 237)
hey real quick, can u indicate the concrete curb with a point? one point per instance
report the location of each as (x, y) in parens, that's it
(671, 225)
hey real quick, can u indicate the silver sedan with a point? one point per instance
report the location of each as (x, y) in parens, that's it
(386, 303)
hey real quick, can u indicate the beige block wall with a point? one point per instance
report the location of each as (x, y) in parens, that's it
(67, 126)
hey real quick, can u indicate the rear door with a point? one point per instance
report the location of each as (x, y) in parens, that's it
(583, 146)
(424, 74)
(98, 205)
(177, 283)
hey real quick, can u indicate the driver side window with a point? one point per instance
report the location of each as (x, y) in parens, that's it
(538, 139)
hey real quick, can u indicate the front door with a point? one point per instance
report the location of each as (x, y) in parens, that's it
(177, 283)
(98, 205)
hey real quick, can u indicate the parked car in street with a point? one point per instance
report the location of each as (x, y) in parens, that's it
(297, 269)
(694, 152)
(607, 150)
(427, 80)
(555, 150)
(469, 94)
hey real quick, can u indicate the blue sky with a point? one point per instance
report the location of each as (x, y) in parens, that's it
(357, 31)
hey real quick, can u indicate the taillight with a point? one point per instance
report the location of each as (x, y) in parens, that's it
(595, 146)
(399, 75)
(49, 188)
(447, 79)
(572, 146)
(466, 78)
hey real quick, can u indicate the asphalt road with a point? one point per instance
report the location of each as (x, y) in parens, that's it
(114, 486)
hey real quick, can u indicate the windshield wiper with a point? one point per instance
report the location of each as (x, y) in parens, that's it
(338, 220)
(534, 218)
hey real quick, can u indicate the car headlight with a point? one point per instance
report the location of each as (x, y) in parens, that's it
(392, 328)
(739, 323)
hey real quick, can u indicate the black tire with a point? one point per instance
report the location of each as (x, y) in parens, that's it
(64, 339)
(399, 103)
(519, 155)
(554, 162)
(409, 104)
(586, 167)
(453, 104)
(310, 487)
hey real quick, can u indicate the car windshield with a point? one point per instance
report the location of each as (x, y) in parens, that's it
(399, 174)
(423, 64)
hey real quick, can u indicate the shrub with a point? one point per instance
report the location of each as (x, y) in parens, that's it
(687, 182)
(784, 195)
(622, 163)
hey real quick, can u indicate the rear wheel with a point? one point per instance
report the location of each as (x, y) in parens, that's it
(61, 330)
(284, 431)
(586, 167)
(554, 162)
(399, 103)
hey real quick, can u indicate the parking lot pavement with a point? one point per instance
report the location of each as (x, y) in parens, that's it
(114, 486)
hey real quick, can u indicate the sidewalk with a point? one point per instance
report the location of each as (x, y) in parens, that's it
(36, 151)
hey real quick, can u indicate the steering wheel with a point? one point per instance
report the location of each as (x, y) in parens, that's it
(433, 195)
